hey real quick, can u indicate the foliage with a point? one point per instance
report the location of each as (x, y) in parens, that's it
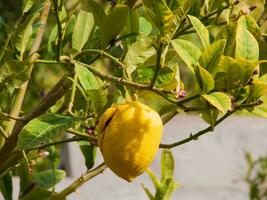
(63, 63)
(256, 177)
(166, 186)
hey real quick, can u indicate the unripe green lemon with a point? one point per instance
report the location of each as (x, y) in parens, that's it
(129, 137)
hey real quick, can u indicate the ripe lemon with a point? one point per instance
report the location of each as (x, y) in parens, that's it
(129, 137)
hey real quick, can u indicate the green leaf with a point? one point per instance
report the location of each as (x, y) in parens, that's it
(48, 178)
(257, 90)
(210, 58)
(138, 53)
(228, 75)
(247, 46)
(98, 99)
(202, 31)
(162, 17)
(167, 165)
(23, 37)
(86, 78)
(38, 193)
(149, 194)
(27, 5)
(89, 153)
(97, 10)
(6, 186)
(219, 100)
(260, 111)
(205, 79)
(82, 30)
(170, 188)
(247, 69)
(154, 179)
(229, 33)
(210, 116)
(113, 24)
(42, 129)
(187, 51)
(144, 26)
(144, 75)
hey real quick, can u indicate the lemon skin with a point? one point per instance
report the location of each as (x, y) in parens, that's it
(129, 137)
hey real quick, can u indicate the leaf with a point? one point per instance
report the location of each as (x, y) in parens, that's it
(257, 90)
(210, 116)
(6, 186)
(97, 10)
(202, 31)
(205, 79)
(89, 153)
(42, 129)
(150, 196)
(210, 58)
(167, 165)
(162, 17)
(260, 111)
(246, 45)
(38, 193)
(86, 78)
(145, 74)
(138, 53)
(154, 179)
(170, 188)
(144, 26)
(48, 178)
(229, 33)
(27, 5)
(187, 51)
(98, 99)
(113, 23)
(247, 69)
(23, 37)
(82, 30)
(228, 75)
(219, 100)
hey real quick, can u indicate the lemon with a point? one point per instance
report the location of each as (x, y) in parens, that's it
(129, 137)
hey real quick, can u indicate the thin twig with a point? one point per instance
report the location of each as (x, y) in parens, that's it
(158, 66)
(83, 179)
(73, 139)
(59, 28)
(101, 52)
(10, 117)
(198, 134)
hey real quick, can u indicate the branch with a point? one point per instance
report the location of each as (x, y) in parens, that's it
(59, 28)
(5, 115)
(22, 90)
(73, 139)
(158, 66)
(83, 179)
(198, 134)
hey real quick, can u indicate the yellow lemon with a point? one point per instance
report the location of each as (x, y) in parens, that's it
(129, 137)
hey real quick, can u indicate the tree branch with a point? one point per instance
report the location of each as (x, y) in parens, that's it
(83, 179)
(198, 134)
(59, 28)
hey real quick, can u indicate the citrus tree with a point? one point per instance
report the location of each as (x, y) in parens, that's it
(83, 71)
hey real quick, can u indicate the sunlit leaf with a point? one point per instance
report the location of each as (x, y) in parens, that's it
(205, 79)
(82, 30)
(86, 78)
(210, 58)
(42, 129)
(219, 100)
(202, 31)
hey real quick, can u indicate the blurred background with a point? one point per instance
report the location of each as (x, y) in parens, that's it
(227, 164)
